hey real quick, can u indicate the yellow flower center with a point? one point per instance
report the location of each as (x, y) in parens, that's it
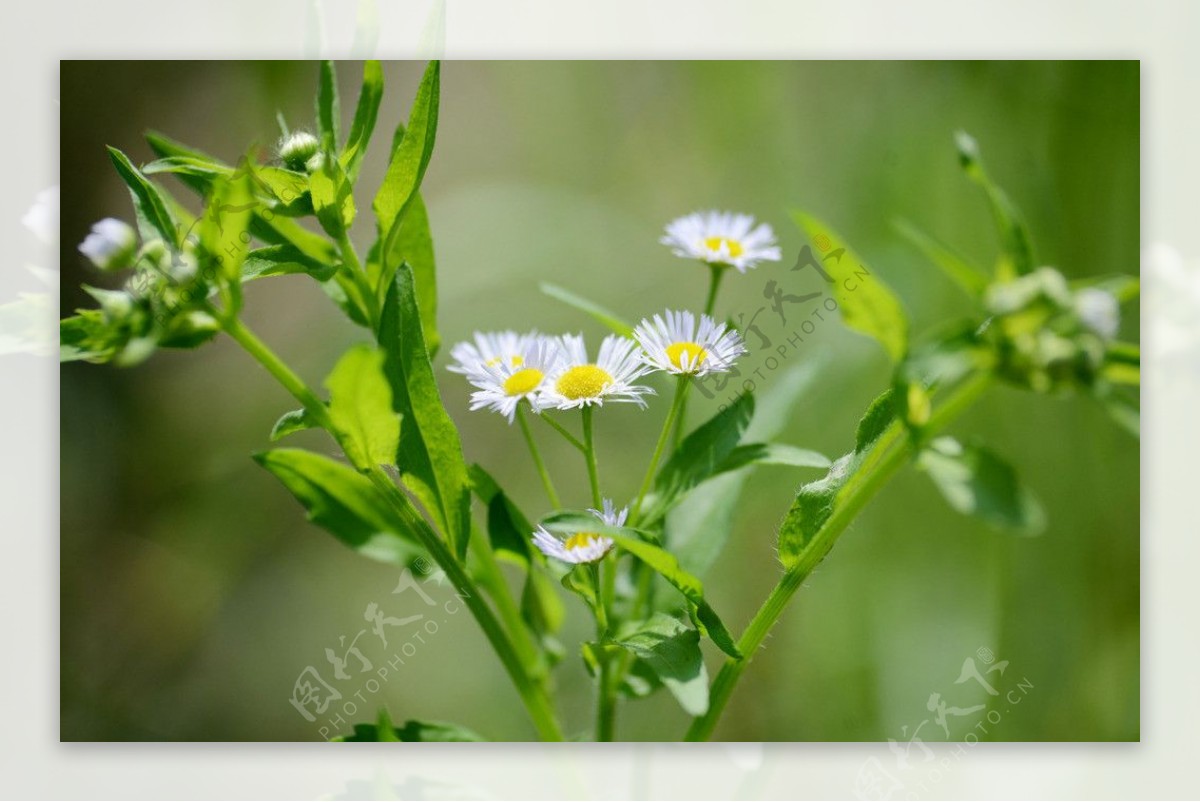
(734, 247)
(579, 540)
(523, 381)
(517, 361)
(686, 356)
(583, 381)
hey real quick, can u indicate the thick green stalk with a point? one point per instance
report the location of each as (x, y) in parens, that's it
(889, 453)
(532, 693)
(589, 445)
(676, 410)
(716, 273)
(537, 459)
(353, 268)
(606, 697)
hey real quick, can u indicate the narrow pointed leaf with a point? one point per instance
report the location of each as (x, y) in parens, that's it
(866, 303)
(154, 217)
(972, 279)
(430, 453)
(344, 503)
(1014, 236)
(365, 115)
(598, 312)
(328, 110)
(975, 481)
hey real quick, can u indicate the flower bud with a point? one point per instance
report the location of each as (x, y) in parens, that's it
(297, 148)
(1098, 311)
(110, 245)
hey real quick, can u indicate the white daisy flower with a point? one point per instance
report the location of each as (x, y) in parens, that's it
(581, 547)
(675, 344)
(504, 383)
(722, 238)
(490, 349)
(609, 514)
(110, 245)
(577, 382)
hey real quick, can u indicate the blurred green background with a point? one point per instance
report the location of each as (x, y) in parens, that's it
(194, 592)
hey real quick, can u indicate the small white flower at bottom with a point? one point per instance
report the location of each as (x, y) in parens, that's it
(676, 345)
(581, 547)
(577, 382)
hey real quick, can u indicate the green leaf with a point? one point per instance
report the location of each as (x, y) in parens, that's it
(410, 154)
(816, 501)
(225, 228)
(700, 525)
(328, 111)
(866, 303)
(295, 421)
(970, 278)
(411, 731)
(509, 531)
(430, 454)
(1014, 237)
(672, 651)
(1120, 286)
(282, 260)
(365, 115)
(699, 456)
(153, 210)
(1124, 411)
(268, 227)
(332, 197)
(604, 316)
(344, 503)
(975, 481)
(666, 566)
(360, 406)
(772, 454)
(414, 245)
(402, 239)
(1123, 364)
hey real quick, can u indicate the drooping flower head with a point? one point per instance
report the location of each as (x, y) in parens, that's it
(722, 238)
(504, 382)
(110, 245)
(489, 350)
(582, 546)
(577, 382)
(674, 343)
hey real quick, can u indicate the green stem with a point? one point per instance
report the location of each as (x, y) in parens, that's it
(716, 273)
(889, 453)
(676, 411)
(558, 427)
(532, 694)
(537, 459)
(359, 278)
(606, 697)
(589, 445)
(278, 369)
